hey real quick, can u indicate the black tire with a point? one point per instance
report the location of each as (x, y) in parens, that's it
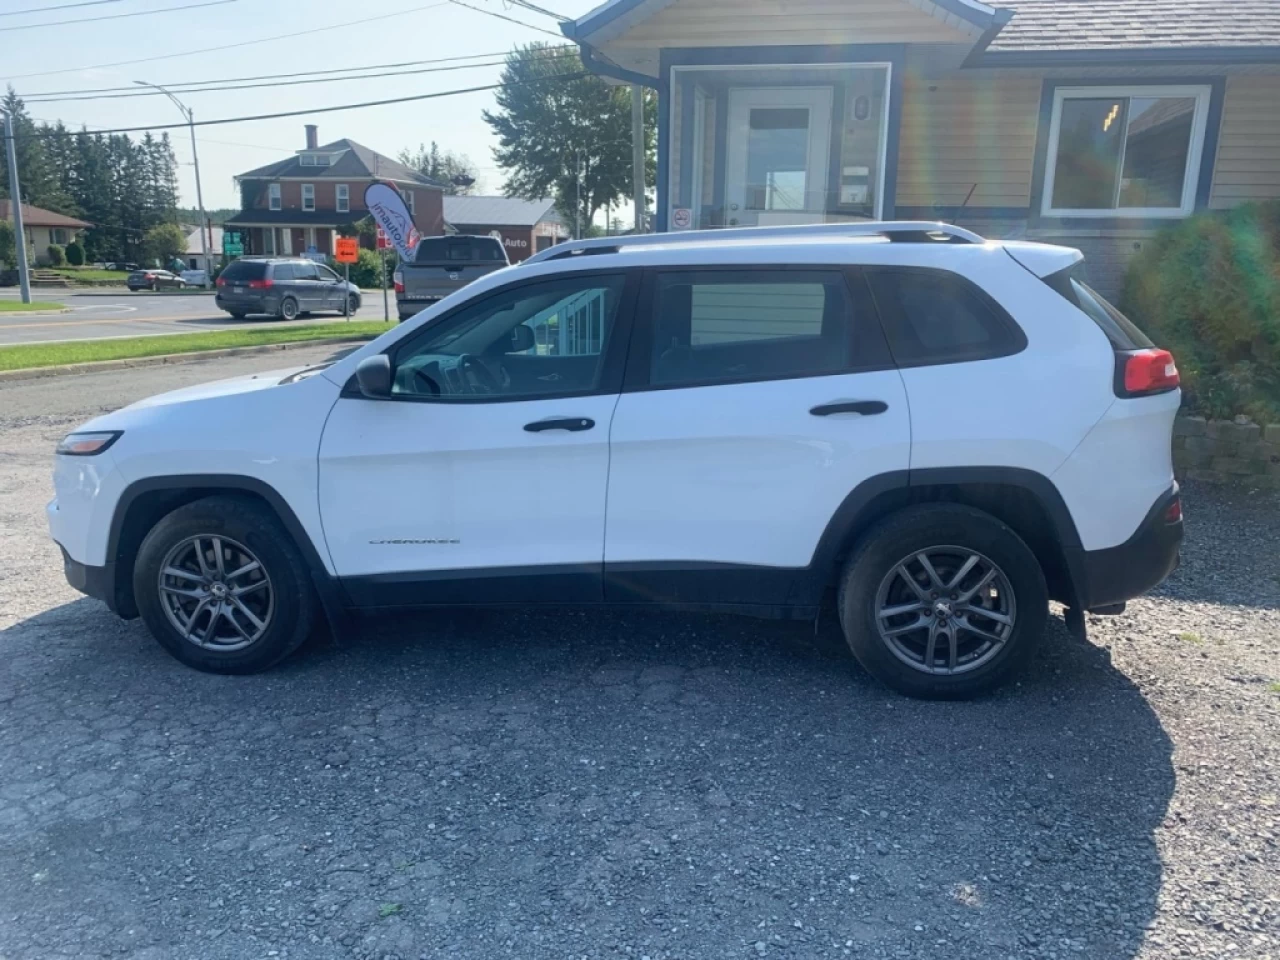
(254, 525)
(900, 536)
(237, 314)
(353, 303)
(289, 309)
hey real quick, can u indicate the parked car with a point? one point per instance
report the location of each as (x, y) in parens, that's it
(284, 287)
(937, 434)
(154, 280)
(124, 267)
(443, 265)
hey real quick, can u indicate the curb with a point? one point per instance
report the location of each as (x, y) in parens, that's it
(34, 313)
(100, 366)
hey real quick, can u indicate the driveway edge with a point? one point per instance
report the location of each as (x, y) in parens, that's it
(99, 366)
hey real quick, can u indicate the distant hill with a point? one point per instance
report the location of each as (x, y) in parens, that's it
(216, 217)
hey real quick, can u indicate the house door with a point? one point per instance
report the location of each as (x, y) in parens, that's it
(777, 155)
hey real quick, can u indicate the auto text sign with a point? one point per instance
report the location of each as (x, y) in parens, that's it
(390, 213)
(346, 250)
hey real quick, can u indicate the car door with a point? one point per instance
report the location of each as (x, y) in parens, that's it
(756, 400)
(482, 478)
(330, 288)
(310, 290)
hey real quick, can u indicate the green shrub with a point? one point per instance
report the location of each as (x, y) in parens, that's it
(57, 256)
(75, 254)
(1209, 290)
(8, 245)
(365, 271)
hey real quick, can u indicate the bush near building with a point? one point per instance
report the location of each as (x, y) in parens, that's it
(57, 256)
(1209, 290)
(75, 254)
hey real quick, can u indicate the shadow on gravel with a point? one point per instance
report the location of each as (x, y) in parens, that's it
(562, 784)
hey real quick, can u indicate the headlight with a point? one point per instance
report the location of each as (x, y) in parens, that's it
(86, 444)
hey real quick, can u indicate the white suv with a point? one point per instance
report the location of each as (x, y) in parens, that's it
(936, 432)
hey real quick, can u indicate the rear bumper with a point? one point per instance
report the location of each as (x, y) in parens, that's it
(1112, 576)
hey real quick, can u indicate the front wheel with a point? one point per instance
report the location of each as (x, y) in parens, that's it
(353, 304)
(237, 314)
(942, 602)
(221, 586)
(289, 309)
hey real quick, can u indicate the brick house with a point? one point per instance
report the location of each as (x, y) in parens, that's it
(300, 203)
(1086, 122)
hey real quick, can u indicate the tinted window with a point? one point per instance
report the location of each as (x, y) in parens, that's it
(305, 271)
(1120, 330)
(244, 270)
(324, 273)
(731, 325)
(283, 273)
(488, 248)
(535, 340)
(435, 249)
(932, 316)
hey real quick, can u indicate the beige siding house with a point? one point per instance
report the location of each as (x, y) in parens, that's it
(43, 229)
(1087, 122)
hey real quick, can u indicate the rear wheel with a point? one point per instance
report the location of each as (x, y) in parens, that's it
(221, 586)
(237, 314)
(288, 309)
(942, 602)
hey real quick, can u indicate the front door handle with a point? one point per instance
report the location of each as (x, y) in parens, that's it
(868, 408)
(560, 423)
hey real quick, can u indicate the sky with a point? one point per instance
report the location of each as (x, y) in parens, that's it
(73, 55)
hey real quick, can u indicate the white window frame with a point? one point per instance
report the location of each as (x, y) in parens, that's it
(308, 196)
(1201, 93)
(273, 197)
(407, 196)
(342, 197)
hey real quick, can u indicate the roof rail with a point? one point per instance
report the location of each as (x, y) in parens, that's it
(898, 231)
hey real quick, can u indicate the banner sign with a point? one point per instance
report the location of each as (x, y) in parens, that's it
(389, 212)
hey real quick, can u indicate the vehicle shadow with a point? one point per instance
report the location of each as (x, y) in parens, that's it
(566, 781)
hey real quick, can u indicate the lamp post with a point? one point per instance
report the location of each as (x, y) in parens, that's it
(195, 160)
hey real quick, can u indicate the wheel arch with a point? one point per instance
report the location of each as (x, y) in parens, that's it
(1025, 501)
(144, 502)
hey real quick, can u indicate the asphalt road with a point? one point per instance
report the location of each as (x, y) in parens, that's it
(120, 313)
(593, 785)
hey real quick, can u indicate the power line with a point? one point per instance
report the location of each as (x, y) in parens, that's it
(503, 16)
(311, 110)
(65, 6)
(345, 25)
(118, 16)
(542, 10)
(90, 128)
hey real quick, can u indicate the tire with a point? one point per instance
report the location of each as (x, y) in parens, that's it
(353, 303)
(986, 651)
(237, 314)
(289, 309)
(225, 639)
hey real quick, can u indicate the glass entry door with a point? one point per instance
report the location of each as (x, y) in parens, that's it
(778, 155)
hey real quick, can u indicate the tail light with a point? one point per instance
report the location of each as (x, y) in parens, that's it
(1173, 512)
(1144, 372)
(260, 284)
(397, 279)
(220, 282)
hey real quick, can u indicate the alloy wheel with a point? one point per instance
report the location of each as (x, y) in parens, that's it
(216, 593)
(945, 610)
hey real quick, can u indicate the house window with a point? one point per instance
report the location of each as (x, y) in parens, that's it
(58, 236)
(308, 196)
(307, 160)
(269, 241)
(273, 193)
(407, 196)
(1127, 151)
(342, 197)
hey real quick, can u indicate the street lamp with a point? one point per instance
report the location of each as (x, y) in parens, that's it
(195, 159)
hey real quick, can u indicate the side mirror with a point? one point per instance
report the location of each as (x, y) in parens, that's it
(521, 339)
(373, 374)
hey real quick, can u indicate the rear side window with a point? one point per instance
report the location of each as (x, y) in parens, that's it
(1120, 330)
(490, 249)
(933, 316)
(244, 270)
(730, 325)
(284, 273)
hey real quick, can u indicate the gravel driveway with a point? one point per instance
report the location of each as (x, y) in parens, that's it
(488, 785)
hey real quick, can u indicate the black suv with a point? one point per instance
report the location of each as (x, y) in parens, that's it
(284, 287)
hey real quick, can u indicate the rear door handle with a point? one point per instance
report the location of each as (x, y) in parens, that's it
(868, 408)
(560, 423)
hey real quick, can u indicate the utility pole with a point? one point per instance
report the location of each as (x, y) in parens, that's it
(195, 162)
(15, 201)
(637, 153)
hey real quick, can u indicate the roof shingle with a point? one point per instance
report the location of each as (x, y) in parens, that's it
(357, 162)
(1042, 25)
(39, 217)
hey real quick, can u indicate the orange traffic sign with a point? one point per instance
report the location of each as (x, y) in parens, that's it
(346, 250)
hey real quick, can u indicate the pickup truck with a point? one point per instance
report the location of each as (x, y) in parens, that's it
(442, 265)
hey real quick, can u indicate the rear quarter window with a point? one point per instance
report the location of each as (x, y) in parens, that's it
(1120, 330)
(934, 316)
(243, 270)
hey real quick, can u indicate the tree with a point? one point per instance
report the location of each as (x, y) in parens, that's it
(570, 138)
(75, 254)
(443, 166)
(8, 246)
(164, 242)
(39, 178)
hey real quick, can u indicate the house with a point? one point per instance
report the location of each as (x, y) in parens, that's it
(523, 226)
(1086, 122)
(298, 205)
(44, 228)
(194, 253)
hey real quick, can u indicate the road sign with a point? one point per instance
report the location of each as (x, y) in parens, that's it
(384, 242)
(346, 250)
(681, 218)
(232, 243)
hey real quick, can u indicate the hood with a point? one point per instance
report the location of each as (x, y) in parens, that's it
(221, 388)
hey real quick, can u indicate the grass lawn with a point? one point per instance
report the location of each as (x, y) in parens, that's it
(17, 306)
(87, 273)
(28, 355)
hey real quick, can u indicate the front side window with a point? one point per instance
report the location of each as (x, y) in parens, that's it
(736, 325)
(308, 196)
(324, 273)
(933, 317)
(539, 339)
(273, 193)
(1131, 151)
(342, 198)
